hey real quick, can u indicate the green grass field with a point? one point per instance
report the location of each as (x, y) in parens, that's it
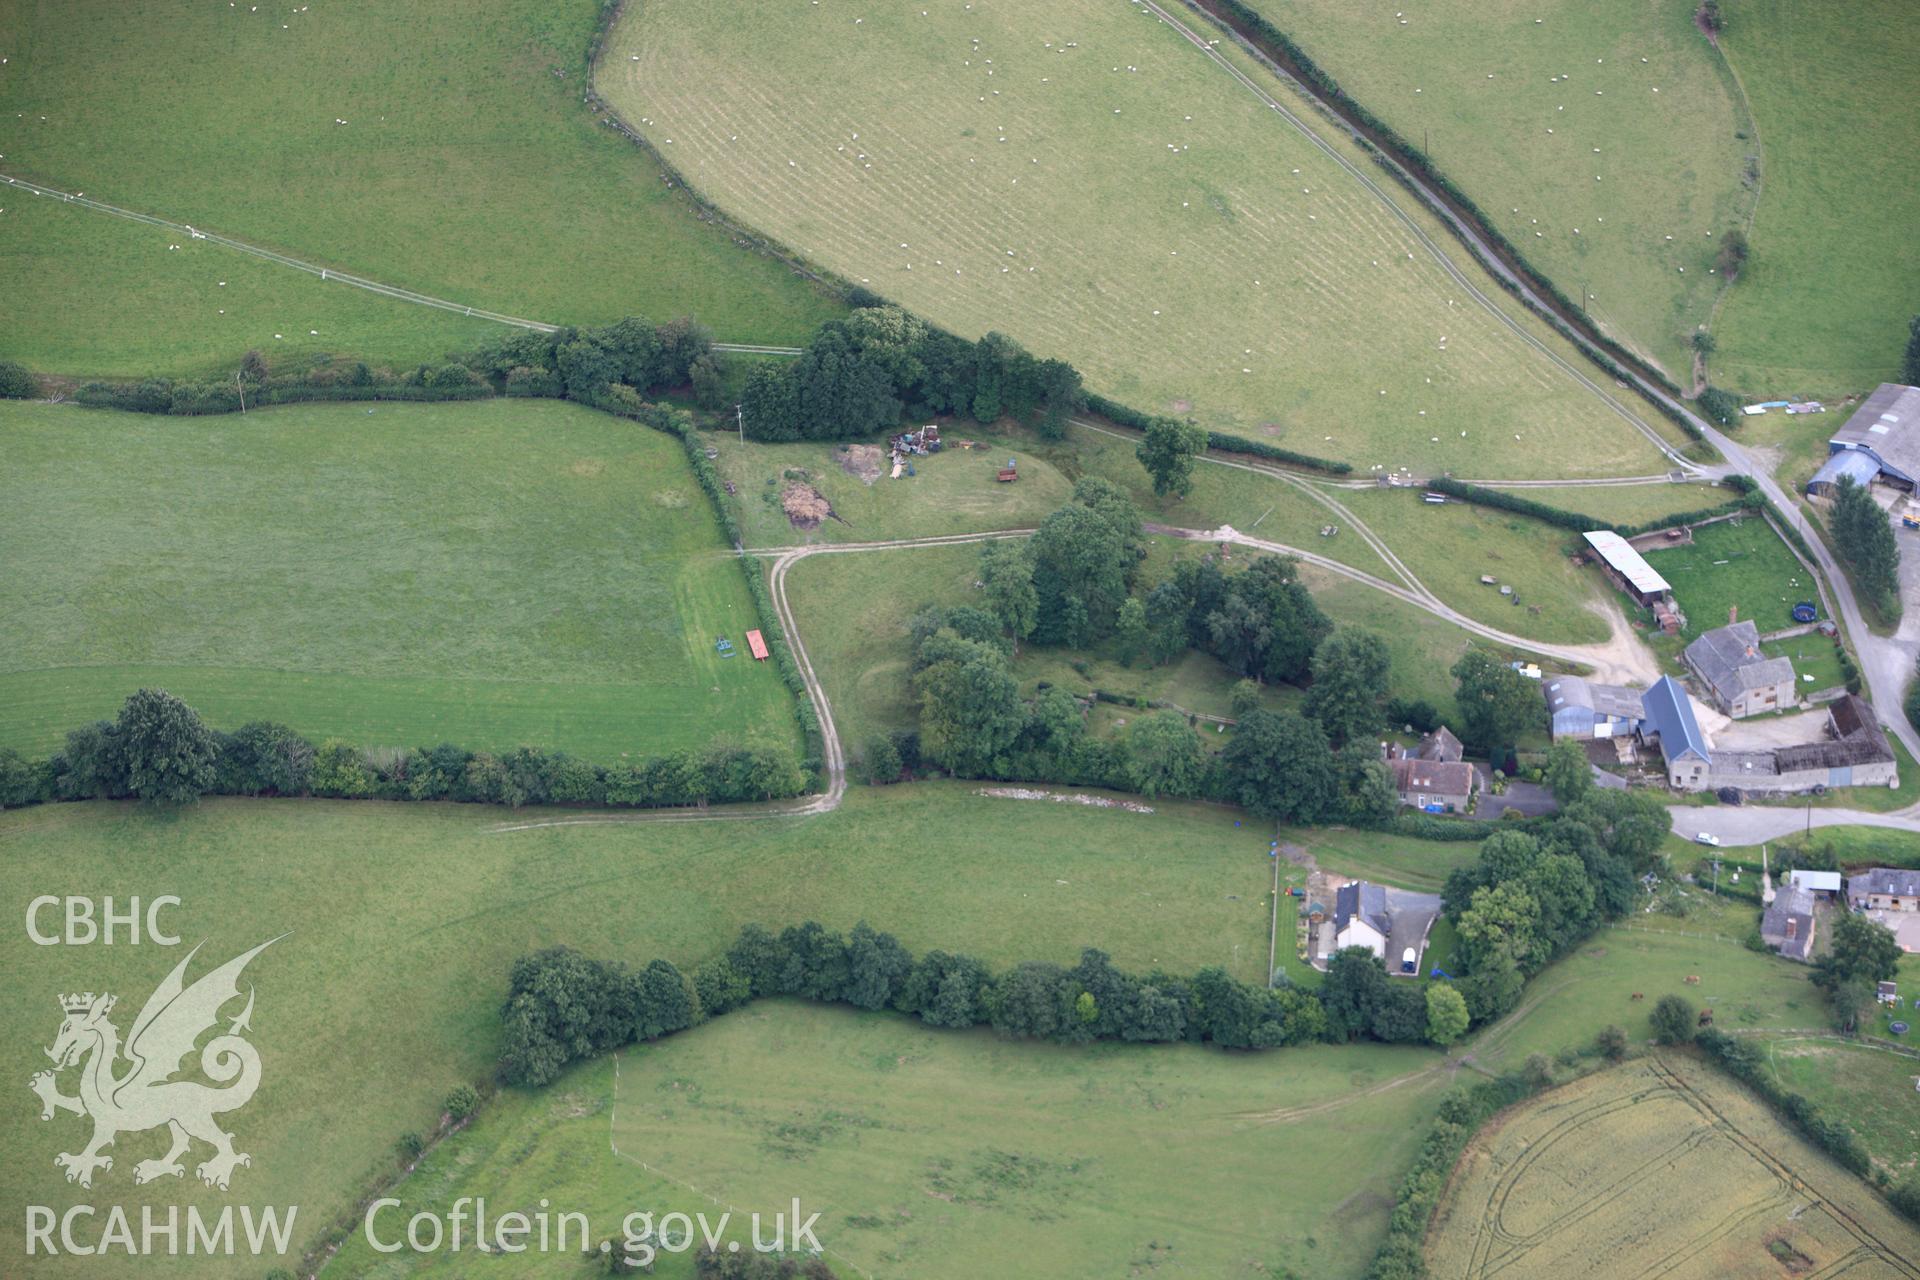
(1739, 563)
(1450, 547)
(957, 1155)
(491, 573)
(1511, 101)
(406, 917)
(468, 168)
(953, 491)
(1046, 183)
(1384, 858)
(1824, 305)
(94, 294)
(1871, 1089)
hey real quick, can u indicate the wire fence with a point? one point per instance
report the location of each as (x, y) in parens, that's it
(395, 292)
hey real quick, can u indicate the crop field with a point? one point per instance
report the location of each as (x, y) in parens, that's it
(942, 1154)
(439, 145)
(1524, 105)
(406, 917)
(1451, 547)
(1871, 1089)
(491, 574)
(1662, 1167)
(1736, 563)
(1824, 304)
(1088, 182)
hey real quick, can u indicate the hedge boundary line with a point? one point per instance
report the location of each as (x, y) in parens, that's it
(1385, 142)
(1750, 499)
(1127, 416)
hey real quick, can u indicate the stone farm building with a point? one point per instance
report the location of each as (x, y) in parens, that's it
(1433, 775)
(1742, 681)
(1670, 725)
(1583, 710)
(1884, 889)
(1788, 924)
(1879, 443)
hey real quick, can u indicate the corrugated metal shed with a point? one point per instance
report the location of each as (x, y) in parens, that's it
(1625, 561)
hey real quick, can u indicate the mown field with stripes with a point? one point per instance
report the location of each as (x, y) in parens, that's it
(1087, 180)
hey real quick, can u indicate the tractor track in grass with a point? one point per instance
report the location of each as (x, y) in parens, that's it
(833, 752)
(396, 292)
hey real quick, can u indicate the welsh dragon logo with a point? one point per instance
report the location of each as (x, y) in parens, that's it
(144, 1095)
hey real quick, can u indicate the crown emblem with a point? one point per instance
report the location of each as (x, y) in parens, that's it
(78, 1002)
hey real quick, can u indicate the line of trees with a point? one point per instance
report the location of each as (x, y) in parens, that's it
(1748, 499)
(1863, 535)
(858, 375)
(158, 749)
(563, 1006)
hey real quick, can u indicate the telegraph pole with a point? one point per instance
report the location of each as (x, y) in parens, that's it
(740, 421)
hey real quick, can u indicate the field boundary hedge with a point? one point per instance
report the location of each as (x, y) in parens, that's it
(1463, 1113)
(1251, 28)
(1832, 1136)
(1749, 499)
(1127, 416)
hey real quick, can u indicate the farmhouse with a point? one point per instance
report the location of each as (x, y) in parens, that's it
(1433, 776)
(1788, 924)
(1628, 570)
(1884, 889)
(1387, 922)
(1583, 710)
(1742, 682)
(1880, 442)
(1670, 725)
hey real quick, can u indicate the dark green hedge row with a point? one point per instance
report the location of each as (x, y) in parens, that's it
(263, 758)
(1462, 1112)
(164, 395)
(1127, 416)
(1254, 26)
(563, 1006)
(1825, 1132)
(1507, 500)
(1427, 826)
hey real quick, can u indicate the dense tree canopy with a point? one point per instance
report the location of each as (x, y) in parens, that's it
(1497, 703)
(1167, 451)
